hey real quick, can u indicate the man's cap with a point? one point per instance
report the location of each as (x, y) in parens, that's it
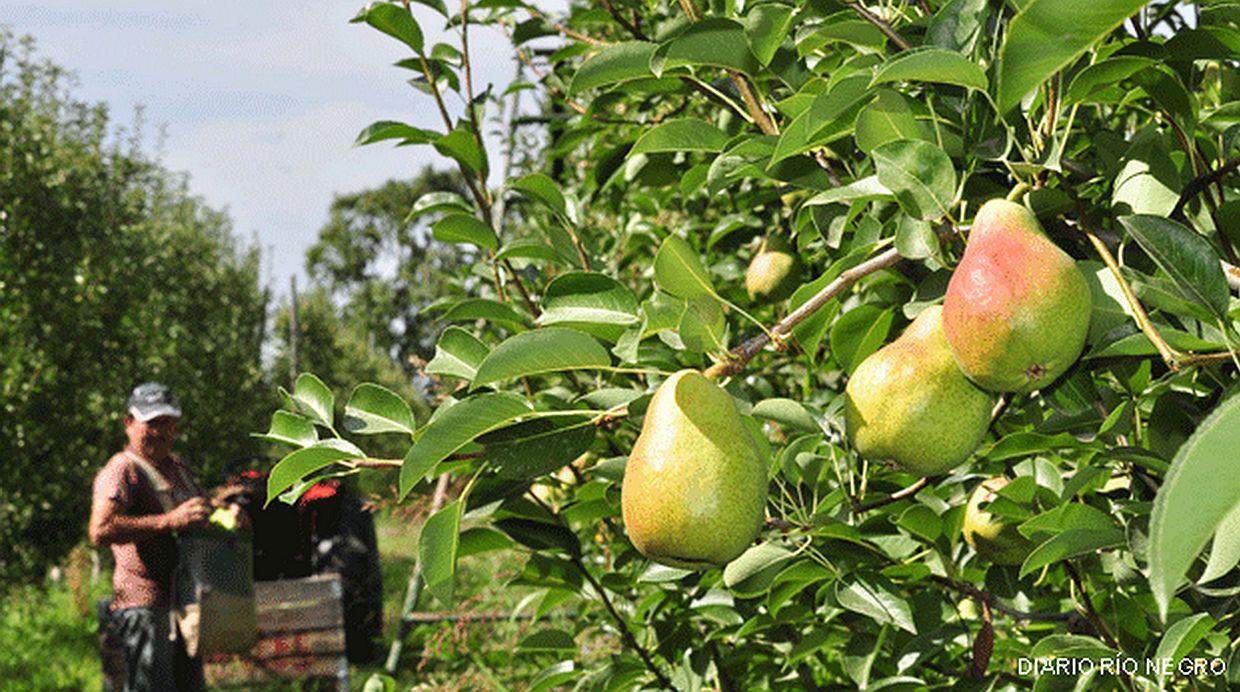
(151, 400)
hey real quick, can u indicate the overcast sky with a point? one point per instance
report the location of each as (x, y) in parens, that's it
(261, 100)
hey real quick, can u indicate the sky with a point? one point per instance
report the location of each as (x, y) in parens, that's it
(259, 101)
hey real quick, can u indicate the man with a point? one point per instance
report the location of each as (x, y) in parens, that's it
(142, 497)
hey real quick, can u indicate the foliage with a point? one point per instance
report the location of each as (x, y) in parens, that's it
(110, 274)
(867, 134)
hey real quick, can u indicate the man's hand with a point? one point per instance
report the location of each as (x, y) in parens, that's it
(193, 512)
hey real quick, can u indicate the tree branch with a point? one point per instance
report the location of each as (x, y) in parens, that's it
(740, 356)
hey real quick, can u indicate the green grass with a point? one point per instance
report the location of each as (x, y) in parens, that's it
(45, 644)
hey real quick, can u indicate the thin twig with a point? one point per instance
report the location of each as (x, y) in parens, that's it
(750, 97)
(621, 623)
(1202, 182)
(858, 507)
(879, 22)
(740, 356)
(630, 27)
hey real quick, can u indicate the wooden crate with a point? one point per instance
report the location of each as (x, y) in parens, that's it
(300, 637)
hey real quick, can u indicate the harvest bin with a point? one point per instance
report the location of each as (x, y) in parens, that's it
(214, 587)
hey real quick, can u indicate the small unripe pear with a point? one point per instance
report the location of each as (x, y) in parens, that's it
(774, 273)
(991, 536)
(908, 402)
(224, 518)
(694, 490)
(1017, 308)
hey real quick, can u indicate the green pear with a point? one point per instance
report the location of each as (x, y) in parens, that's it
(774, 273)
(224, 518)
(694, 491)
(1017, 307)
(993, 538)
(909, 403)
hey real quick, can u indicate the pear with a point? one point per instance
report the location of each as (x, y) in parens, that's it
(694, 490)
(908, 402)
(224, 518)
(774, 273)
(1017, 307)
(993, 538)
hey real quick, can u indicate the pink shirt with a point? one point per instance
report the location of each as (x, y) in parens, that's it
(143, 574)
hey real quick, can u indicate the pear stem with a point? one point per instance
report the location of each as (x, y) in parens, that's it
(1018, 191)
(740, 356)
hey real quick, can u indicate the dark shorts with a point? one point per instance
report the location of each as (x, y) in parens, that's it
(152, 661)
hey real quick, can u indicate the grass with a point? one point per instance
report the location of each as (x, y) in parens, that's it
(46, 644)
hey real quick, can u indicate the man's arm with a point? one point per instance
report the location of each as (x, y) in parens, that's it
(109, 525)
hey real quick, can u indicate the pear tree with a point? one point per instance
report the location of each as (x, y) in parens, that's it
(801, 487)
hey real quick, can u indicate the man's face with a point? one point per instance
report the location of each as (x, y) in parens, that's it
(153, 438)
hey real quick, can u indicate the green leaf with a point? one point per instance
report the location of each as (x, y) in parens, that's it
(437, 551)
(485, 309)
(622, 62)
(592, 302)
(540, 535)
(1225, 551)
(1104, 74)
(702, 325)
(314, 398)
(464, 228)
(374, 409)
(1137, 344)
(394, 21)
(533, 448)
(435, 202)
(683, 134)
(1071, 543)
(830, 116)
(458, 354)
(858, 333)
(760, 559)
(301, 463)
(482, 539)
(1199, 492)
(543, 189)
(1181, 637)
(957, 25)
(678, 270)
(863, 190)
(931, 64)
(455, 427)
(717, 41)
(550, 349)
(766, 26)
(786, 412)
(887, 118)
(875, 602)
(290, 428)
(461, 145)
(389, 129)
(548, 641)
(915, 239)
(1046, 35)
(920, 175)
(530, 249)
(1186, 257)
